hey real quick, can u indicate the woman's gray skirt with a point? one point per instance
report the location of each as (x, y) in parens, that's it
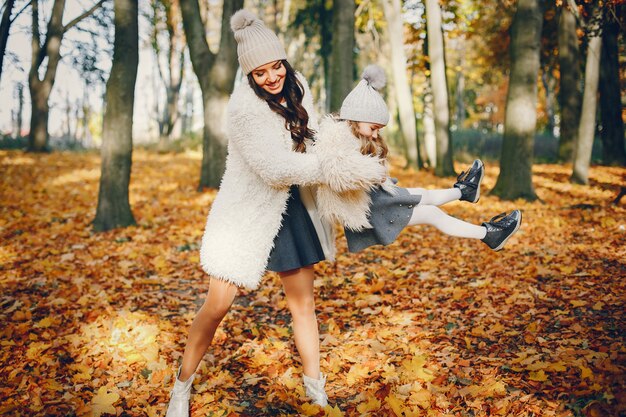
(296, 244)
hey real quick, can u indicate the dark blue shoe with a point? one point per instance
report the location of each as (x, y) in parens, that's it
(469, 182)
(501, 228)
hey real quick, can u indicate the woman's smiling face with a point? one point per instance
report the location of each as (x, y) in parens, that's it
(270, 77)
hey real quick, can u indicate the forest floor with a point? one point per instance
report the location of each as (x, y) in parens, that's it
(95, 323)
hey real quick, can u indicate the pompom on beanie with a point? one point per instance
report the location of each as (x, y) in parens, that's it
(364, 103)
(256, 44)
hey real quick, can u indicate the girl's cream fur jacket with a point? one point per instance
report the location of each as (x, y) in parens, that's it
(348, 206)
(260, 167)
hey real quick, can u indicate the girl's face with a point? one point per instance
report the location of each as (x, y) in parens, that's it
(270, 77)
(369, 130)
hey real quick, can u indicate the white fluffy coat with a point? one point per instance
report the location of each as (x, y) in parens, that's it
(260, 167)
(337, 203)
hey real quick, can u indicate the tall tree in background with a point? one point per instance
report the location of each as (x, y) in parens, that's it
(18, 114)
(315, 21)
(613, 150)
(406, 110)
(41, 87)
(216, 75)
(516, 161)
(342, 58)
(570, 96)
(5, 26)
(167, 13)
(117, 136)
(441, 110)
(587, 126)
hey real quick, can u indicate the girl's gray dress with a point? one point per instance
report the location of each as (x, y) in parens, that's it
(389, 214)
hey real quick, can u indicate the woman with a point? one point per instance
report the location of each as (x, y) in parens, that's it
(258, 219)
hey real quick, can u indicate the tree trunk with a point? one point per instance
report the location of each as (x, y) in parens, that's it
(172, 79)
(85, 136)
(342, 60)
(68, 121)
(441, 107)
(548, 85)
(460, 104)
(38, 136)
(19, 117)
(325, 49)
(5, 25)
(516, 160)
(587, 127)
(216, 75)
(430, 131)
(613, 151)
(570, 96)
(188, 114)
(40, 89)
(117, 136)
(406, 110)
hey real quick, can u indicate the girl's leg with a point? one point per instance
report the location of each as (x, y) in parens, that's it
(436, 197)
(434, 216)
(298, 287)
(217, 303)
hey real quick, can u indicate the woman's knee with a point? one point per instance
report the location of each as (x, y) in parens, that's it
(219, 299)
(215, 311)
(302, 306)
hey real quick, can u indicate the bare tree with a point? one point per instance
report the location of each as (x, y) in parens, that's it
(19, 112)
(167, 13)
(570, 95)
(315, 22)
(8, 17)
(612, 134)
(393, 10)
(216, 75)
(41, 87)
(341, 75)
(439, 84)
(587, 126)
(117, 136)
(5, 26)
(516, 161)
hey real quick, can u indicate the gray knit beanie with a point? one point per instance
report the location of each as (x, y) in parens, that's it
(256, 44)
(364, 103)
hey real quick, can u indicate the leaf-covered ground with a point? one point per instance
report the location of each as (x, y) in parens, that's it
(429, 326)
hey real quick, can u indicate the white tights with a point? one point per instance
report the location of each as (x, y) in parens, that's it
(427, 212)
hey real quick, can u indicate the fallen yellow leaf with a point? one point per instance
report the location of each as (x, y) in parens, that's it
(103, 402)
(539, 376)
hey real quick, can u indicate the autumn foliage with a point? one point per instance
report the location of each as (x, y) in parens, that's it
(94, 324)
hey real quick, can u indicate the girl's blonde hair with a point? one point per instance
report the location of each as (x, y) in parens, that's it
(369, 146)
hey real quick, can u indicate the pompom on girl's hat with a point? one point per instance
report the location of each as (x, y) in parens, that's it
(364, 103)
(256, 44)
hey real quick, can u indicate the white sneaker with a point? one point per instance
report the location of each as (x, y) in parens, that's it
(315, 390)
(179, 397)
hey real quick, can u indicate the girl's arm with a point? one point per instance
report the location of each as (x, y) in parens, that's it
(342, 163)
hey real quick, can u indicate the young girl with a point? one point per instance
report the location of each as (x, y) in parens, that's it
(260, 218)
(376, 215)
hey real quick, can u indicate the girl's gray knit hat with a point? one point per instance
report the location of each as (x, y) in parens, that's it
(364, 103)
(256, 44)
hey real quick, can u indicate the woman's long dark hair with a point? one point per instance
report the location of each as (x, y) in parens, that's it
(295, 115)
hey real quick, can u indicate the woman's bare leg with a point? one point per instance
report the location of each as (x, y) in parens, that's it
(298, 287)
(219, 298)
